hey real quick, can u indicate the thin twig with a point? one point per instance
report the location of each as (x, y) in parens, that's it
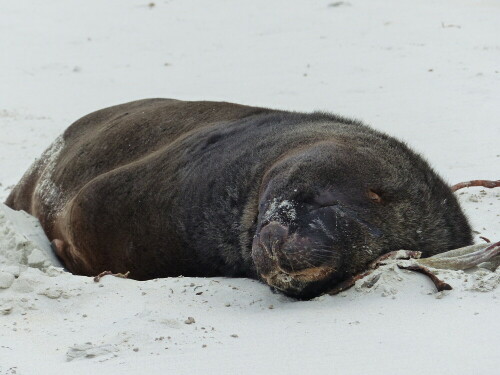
(484, 183)
(494, 247)
(487, 240)
(105, 273)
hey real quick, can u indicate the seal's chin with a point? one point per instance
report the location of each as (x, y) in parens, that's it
(305, 284)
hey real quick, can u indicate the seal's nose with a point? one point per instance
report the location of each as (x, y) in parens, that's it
(272, 238)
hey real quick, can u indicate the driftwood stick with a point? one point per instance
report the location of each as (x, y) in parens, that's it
(484, 183)
(457, 259)
(494, 247)
(393, 255)
(440, 284)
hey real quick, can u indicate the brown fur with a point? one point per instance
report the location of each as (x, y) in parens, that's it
(162, 187)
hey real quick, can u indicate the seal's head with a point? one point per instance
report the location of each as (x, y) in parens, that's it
(329, 209)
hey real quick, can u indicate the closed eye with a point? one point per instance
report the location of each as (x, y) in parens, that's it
(374, 197)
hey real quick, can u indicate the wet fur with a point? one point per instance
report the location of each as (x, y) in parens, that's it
(162, 187)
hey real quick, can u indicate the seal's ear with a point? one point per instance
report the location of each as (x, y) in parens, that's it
(374, 197)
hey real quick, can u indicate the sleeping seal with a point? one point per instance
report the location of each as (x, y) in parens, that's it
(162, 187)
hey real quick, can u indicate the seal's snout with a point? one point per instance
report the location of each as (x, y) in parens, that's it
(280, 256)
(288, 262)
(272, 238)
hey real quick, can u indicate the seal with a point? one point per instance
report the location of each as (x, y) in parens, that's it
(302, 201)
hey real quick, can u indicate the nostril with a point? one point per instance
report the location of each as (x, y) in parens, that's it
(273, 237)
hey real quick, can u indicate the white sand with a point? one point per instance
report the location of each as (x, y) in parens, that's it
(425, 72)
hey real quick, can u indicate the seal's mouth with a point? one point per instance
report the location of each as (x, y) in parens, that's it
(302, 285)
(305, 276)
(295, 283)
